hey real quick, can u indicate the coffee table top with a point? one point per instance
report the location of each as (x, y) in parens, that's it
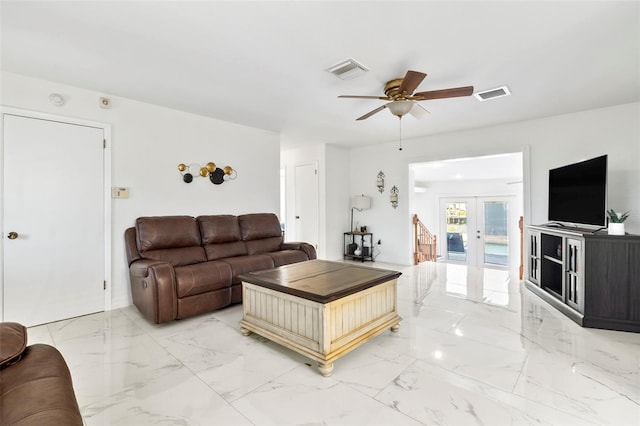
(320, 280)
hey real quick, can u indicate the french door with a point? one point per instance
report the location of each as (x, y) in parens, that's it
(477, 231)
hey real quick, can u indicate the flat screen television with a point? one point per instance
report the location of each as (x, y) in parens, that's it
(578, 192)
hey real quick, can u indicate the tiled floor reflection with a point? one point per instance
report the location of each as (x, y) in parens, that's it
(473, 348)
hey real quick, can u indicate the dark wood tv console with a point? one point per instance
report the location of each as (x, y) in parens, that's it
(591, 277)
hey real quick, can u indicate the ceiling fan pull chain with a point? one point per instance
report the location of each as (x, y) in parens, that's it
(400, 121)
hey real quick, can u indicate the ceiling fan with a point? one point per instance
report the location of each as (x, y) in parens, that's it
(399, 92)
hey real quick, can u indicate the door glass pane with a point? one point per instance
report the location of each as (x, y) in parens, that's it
(496, 241)
(456, 217)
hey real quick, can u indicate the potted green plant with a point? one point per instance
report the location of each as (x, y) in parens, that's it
(616, 222)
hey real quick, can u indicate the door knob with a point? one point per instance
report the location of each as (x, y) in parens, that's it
(297, 217)
(12, 235)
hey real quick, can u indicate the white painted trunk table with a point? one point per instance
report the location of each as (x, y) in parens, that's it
(320, 309)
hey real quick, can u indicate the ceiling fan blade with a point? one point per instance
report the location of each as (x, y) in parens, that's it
(418, 111)
(444, 93)
(411, 81)
(382, 98)
(370, 113)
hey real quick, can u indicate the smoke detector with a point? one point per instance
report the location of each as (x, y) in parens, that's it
(347, 69)
(498, 92)
(56, 99)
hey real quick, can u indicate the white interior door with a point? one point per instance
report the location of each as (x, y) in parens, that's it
(478, 231)
(306, 201)
(53, 220)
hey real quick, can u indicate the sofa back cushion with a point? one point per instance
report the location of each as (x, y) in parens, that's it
(219, 229)
(221, 236)
(173, 239)
(261, 232)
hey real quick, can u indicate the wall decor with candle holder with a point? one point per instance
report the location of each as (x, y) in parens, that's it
(380, 182)
(394, 196)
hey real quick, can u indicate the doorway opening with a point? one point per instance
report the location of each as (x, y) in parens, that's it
(473, 205)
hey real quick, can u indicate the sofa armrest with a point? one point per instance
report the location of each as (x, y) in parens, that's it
(290, 246)
(153, 289)
(307, 248)
(140, 268)
(13, 341)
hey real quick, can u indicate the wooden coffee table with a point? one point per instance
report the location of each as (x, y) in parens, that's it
(320, 309)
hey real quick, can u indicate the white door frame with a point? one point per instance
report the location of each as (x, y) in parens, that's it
(106, 128)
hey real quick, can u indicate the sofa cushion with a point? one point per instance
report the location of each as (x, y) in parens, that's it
(245, 264)
(172, 239)
(202, 277)
(219, 229)
(178, 256)
(221, 236)
(286, 257)
(220, 251)
(259, 225)
(263, 245)
(167, 232)
(13, 341)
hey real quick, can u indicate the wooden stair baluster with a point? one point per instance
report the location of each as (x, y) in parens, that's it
(425, 243)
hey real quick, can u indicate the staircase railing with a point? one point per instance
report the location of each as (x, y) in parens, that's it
(425, 243)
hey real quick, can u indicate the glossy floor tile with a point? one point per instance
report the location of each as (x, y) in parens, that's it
(474, 348)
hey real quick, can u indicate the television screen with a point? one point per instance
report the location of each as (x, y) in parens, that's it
(578, 192)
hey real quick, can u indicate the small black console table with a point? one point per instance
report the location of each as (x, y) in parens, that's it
(355, 246)
(591, 277)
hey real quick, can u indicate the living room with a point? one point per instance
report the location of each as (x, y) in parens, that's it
(147, 141)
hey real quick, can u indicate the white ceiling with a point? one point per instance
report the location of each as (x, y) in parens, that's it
(262, 64)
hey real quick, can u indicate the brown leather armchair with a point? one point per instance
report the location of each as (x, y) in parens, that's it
(35, 383)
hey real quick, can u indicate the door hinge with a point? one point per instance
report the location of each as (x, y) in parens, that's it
(104, 285)
(316, 171)
(104, 143)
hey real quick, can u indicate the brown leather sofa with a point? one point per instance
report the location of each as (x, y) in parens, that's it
(35, 383)
(181, 266)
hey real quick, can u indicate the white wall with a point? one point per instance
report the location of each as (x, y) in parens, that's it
(148, 142)
(546, 143)
(337, 209)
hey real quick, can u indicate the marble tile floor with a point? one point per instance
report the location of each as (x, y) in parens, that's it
(474, 348)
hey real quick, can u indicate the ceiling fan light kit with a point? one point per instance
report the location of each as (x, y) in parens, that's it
(399, 108)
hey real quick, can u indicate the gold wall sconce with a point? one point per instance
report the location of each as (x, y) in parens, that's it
(215, 174)
(380, 182)
(394, 196)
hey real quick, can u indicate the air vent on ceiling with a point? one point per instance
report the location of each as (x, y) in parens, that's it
(347, 69)
(492, 93)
